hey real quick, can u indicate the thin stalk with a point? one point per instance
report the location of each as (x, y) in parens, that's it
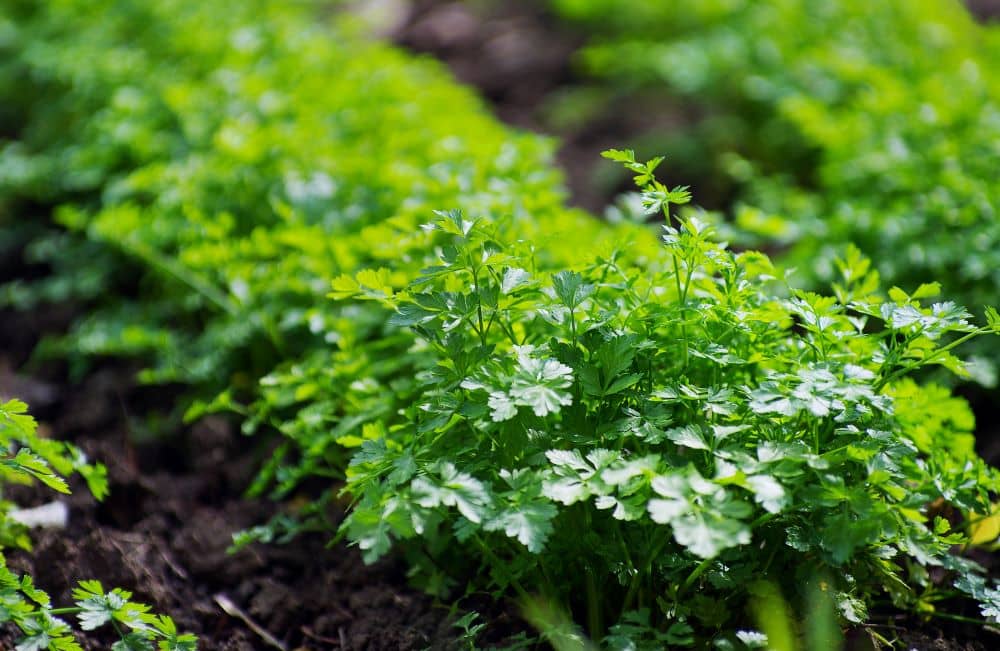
(903, 370)
(572, 326)
(956, 618)
(593, 606)
(633, 587)
(680, 295)
(508, 331)
(698, 571)
(171, 268)
(594, 623)
(687, 285)
(518, 588)
(767, 517)
(479, 307)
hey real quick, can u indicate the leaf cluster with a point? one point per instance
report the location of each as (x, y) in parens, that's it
(28, 607)
(844, 123)
(193, 179)
(683, 426)
(556, 400)
(26, 456)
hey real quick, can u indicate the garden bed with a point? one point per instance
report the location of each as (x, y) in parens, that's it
(177, 498)
(175, 502)
(174, 505)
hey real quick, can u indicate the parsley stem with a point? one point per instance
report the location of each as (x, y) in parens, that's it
(697, 572)
(767, 517)
(680, 296)
(499, 564)
(479, 307)
(621, 541)
(647, 569)
(171, 267)
(594, 623)
(593, 605)
(903, 370)
(509, 332)
(630, 595)
(956, 618)
(64, 611)
(572, 326)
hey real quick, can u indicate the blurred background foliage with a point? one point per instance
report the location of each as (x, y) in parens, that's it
(823, 123)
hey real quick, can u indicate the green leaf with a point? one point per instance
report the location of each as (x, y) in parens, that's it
(530, 524)
(768, 492)
(619, 155)
(184, 642)
(453, 489)
(571, 289)
(706, 535)
(689, 437)
(97, 609)
(539, 384)
(36, 642)
(133, 642)
(927, 290)
(30, 463)
(993, 318)
(410, 314)
(514, 279)
(453, 222)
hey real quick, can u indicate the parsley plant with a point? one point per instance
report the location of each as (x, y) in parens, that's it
(643, 443)
(25, 456)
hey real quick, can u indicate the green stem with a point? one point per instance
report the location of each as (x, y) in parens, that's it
(956, 618)
(680, 295)
(172, 268)
(508, 331)
(698, 571)
(687, 284)
(594, 624)
(767, 517)
(903, 370)
(593, 606)
(637, 578)
(479, 307)
(572, 326)
(518, 588)
(633, 587)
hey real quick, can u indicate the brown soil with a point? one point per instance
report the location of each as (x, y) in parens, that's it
(165, 529)
(984, 10)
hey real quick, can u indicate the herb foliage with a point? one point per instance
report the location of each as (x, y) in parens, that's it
(687, 427)
(209, 176)
(561, 400)
(25, 456)
(847, 122)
